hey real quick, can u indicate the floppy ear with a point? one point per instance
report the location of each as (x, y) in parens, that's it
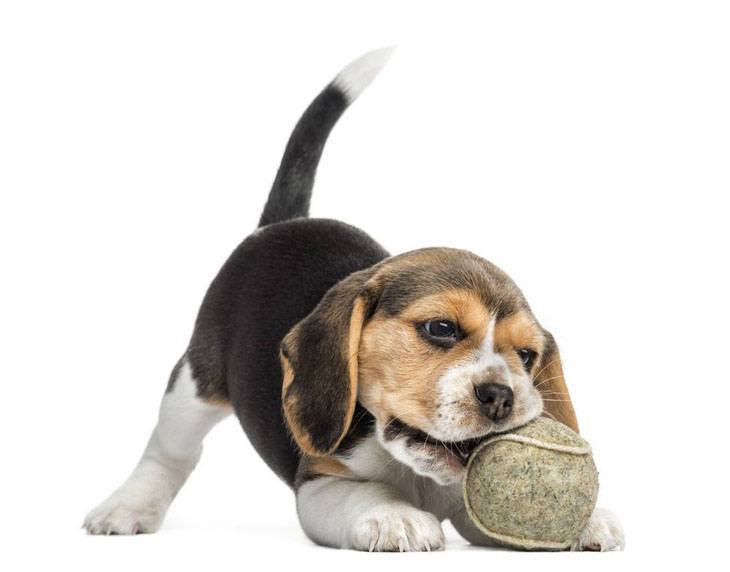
(319, 361)
(551, 384)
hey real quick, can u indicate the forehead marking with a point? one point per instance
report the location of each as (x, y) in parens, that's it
(489, 362)
(488, 344)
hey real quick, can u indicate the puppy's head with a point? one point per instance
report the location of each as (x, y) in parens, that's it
(438, 344)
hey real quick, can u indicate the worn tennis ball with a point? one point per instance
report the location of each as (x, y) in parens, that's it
(533, 488)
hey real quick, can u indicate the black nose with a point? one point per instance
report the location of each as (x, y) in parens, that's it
(495, 400)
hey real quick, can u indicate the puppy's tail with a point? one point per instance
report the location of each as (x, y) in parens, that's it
(292, 189)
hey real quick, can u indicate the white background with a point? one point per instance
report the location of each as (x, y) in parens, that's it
(581, 146)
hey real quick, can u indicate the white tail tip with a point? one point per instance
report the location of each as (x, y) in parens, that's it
(357, 75)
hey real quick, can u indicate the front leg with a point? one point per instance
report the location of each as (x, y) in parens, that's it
(364, 515)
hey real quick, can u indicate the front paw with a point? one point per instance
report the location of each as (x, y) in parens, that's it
(602, 533)
(125, 514)
(397, 528)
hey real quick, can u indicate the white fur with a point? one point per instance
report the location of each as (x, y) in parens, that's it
(419, 458)
(487, 348)
(602, 533)
(365, 516)
(356, 76)
(173, 450)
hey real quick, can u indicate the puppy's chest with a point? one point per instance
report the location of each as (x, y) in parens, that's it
(368, 460)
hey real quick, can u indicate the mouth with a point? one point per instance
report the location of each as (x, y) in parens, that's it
(451, 451)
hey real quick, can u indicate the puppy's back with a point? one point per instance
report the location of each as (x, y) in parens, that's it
(271, 281)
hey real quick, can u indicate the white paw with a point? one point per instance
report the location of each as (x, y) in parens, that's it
(118, 515)
(602, 533)
(397, 528)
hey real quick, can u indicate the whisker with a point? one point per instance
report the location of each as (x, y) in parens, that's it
(557, 359)
(553, 393)
(544, 381)
(385, 427)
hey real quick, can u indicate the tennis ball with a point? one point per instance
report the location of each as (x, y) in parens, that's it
(533, 488)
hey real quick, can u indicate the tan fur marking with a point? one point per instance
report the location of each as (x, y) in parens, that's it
(515, 332)
(288, 373)
(323, 466)
(461, 306)
(300, 436)
(218, 401)
(519, 330)
(289, 405)
(399, 370)
(357, 319)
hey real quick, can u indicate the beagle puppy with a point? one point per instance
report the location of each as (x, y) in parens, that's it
(363, 380)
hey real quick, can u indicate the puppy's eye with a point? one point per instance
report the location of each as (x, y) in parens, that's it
(444, 333)
(441, 328)
(527, 356)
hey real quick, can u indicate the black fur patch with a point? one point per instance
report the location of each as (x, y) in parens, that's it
(292, 189)
(363, 424)
(174, 374)
(273, 280)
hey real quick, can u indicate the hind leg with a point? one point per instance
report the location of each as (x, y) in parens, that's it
(174, 448)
